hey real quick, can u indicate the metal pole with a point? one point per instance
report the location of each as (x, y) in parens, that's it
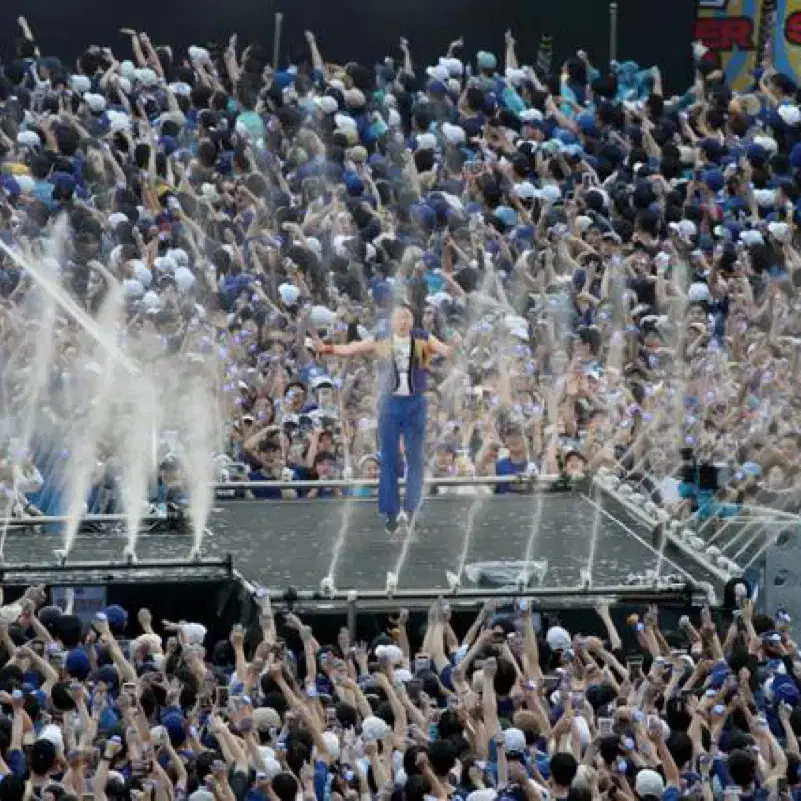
(279, 18)
(123, 565)
(613, 31)
(352, 613)
(341, 483)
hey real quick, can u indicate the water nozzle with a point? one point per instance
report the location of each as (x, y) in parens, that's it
(453, 581)
(392, 584)
(129, 555)
(585, 578)
(327, 587)
(60, 556)
(353, 596)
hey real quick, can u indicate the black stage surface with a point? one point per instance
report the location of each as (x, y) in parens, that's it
(281, 543)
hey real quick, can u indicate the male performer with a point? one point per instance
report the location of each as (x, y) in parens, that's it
(406, 354)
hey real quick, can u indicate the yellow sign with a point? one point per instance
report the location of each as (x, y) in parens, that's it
(787, 38)
(730, 29)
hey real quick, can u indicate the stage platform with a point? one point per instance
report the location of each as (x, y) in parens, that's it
(278, 544)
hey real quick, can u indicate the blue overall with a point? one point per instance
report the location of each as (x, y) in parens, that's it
(403, 416)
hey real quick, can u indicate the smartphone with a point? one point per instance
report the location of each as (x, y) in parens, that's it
(129, 688)
(413, 689)
(38, 647)
(606, 726)
(222, 697)
(141, 767)
(422, 662)
(634, 667)
(551, 682)
(330, 716)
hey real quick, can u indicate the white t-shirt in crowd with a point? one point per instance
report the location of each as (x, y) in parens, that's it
(402, 351)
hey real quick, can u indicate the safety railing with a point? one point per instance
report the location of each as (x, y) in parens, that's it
(553, 483)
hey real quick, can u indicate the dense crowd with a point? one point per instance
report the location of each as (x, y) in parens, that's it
(518, 708)
(619, 265)
(616, 270)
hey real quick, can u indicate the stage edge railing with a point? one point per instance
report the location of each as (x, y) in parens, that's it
(354, 601)
(81, 573)
(532, 481)
(674, 539)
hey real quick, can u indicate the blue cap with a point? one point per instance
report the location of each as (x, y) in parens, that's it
(117, 617)
(174, 724)
(486, 61)
(714, 180)
(784, 690)
(77, 664)
(506, 215)
(10, 187)
(353, 183)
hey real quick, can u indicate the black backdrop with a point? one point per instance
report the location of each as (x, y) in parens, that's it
(649, 32)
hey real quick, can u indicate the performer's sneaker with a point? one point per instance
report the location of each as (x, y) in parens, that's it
(392, 527)
(407, 522)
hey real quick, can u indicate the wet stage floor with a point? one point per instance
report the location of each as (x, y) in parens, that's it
(282, 543)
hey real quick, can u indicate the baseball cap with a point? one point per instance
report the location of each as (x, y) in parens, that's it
(649, 783)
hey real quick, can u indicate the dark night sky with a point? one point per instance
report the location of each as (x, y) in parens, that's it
(357, 30)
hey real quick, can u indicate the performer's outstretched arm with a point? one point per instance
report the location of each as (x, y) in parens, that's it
(363, 348)
(440, 348)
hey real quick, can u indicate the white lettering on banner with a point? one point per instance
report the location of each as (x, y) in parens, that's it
(88, 601)
(719, 5)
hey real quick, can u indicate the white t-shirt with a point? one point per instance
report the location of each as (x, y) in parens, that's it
(402, 351)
